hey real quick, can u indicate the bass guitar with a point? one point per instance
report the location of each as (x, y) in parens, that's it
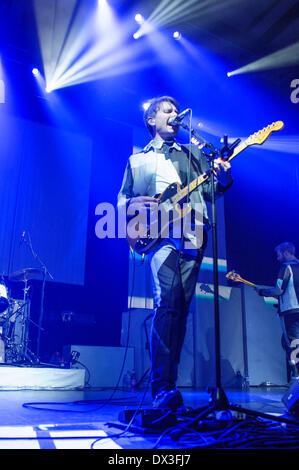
(172, 200)
(233, 276)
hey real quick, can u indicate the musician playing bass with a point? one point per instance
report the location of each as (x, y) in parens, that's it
(287, 292)
(174, 262)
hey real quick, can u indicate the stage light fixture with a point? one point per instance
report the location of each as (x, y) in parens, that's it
(35, 71)
(177, 35)
(229, 74)
(145, 105)
(136, 35)
(139, 18)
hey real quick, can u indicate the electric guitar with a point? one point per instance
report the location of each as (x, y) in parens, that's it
(233, 276)
(171, 201)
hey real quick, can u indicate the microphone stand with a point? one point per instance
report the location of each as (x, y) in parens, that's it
(218, 400)
(45, 273)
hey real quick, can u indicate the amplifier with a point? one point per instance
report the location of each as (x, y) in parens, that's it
(291, 399)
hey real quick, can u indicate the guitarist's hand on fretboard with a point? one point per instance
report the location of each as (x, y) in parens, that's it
(223, 171)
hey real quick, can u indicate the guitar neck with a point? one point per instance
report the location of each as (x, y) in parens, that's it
(188, 189)
(242, 146)
(202, 178)
(247, 282)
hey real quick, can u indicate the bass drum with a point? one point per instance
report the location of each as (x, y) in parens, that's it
(3, 300)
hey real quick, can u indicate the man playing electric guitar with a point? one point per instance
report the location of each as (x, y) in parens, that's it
(174, 264)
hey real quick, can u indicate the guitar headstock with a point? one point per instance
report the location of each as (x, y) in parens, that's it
(233, 276)
(262, 135)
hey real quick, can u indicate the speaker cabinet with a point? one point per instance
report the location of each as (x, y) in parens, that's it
(291, 399)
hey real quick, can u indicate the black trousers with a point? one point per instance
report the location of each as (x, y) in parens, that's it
(290, 328)
(174, 280)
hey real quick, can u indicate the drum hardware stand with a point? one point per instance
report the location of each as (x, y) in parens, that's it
(45, 272)
(218, 400)
(20, 352)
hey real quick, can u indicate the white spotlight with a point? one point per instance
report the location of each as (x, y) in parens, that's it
(177, 35)
(229, 74)
(136, 35)
(139, 18)
(145, 105)
(35, 71)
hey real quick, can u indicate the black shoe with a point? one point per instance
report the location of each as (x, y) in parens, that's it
(169, 399)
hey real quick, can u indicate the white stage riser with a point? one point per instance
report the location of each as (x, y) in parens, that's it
(38, 378)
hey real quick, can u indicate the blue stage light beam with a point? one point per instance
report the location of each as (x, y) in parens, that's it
(118, 63)
(166, 50)
(282, 58)
(2, 84)
(165, 13)
(145, 28)
(85, 44)
(53, 21)
(168, 12)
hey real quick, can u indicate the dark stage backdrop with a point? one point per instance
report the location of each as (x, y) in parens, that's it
(96, 307)
(44, 180)
(261, 210)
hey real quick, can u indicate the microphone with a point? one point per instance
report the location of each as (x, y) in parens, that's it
(176, 121)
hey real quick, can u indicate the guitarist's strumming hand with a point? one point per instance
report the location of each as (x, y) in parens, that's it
(222, 171)
(143, 203)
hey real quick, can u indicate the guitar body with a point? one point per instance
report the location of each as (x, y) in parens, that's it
(145, 242)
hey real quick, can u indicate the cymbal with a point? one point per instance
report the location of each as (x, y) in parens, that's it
(26, 274)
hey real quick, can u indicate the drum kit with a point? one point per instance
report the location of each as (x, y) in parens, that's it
(15, 318)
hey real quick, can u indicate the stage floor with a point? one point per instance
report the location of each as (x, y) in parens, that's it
(79, 419)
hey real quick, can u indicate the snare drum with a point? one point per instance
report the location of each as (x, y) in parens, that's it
(3, 300)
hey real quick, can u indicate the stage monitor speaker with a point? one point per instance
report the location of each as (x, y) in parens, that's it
(291, 399)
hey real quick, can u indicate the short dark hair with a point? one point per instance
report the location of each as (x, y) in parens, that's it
(286, 246)
(154, 106)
